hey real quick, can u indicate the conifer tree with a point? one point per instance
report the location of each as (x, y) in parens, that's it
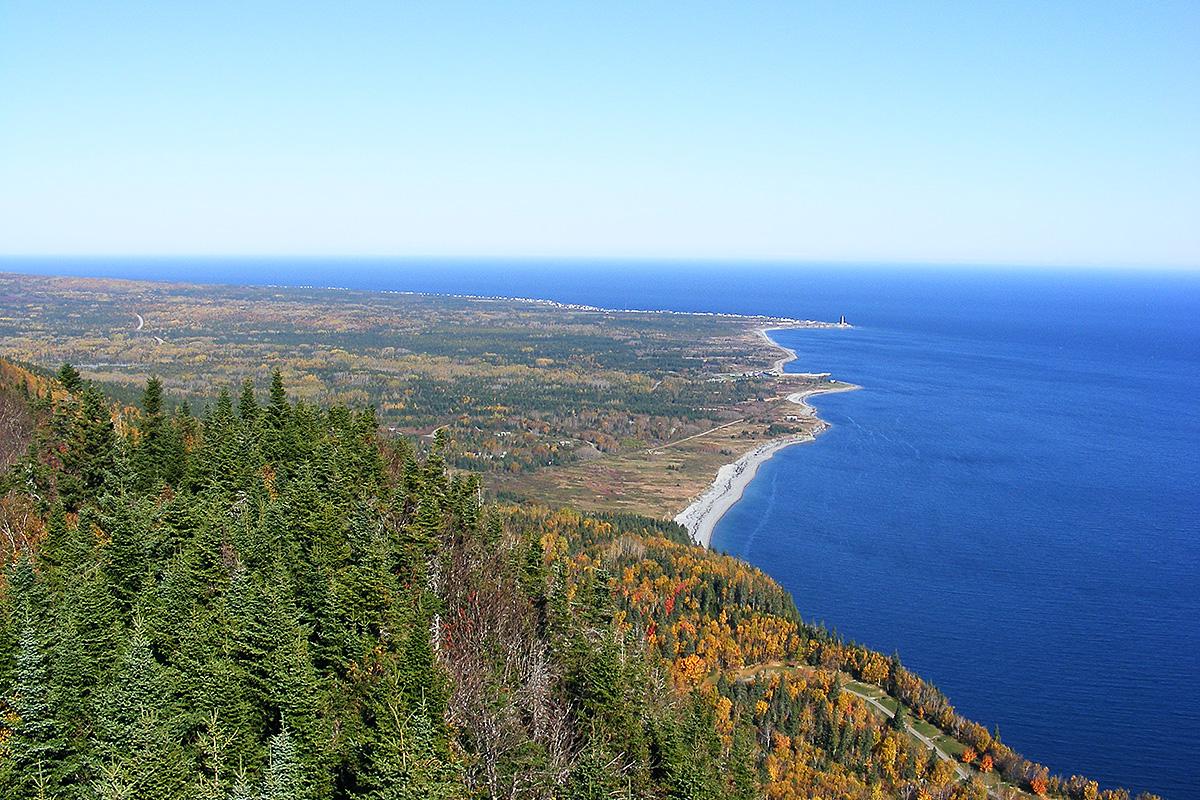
(277, 412)
(90, 454)
(593, 776)
(220, 465)
(243, 791)
(52, 551)
(38, 748)
(282, 779)
(152, 452)
(420, 680)
(114, 782)
(743, 776)
(897, 721)
(96, 615)
(410, 760)
(135, 724)
(247, 404)
(278, 423)
(130, 549)
(70, 378)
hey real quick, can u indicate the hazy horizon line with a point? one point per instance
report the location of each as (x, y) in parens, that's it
(781, 261)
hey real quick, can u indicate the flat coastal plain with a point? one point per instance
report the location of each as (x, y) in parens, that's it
(568, 405)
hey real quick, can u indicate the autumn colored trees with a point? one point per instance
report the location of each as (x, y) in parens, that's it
(267, 599)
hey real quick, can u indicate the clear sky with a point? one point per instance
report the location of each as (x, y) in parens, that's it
(1042, 132)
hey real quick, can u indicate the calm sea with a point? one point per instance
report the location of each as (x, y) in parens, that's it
(1012, 501)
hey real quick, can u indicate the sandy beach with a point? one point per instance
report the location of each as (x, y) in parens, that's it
(788, 353)
(701, 517)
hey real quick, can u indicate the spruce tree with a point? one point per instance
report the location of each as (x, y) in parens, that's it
(593, 776)
(283, 778)
(70, 378)
(152, 455)
(135, 723)
(90, 453)
(279, 444)
(96, 614)
(37, 747)
(411, 760)
(897, 721)
(52, 550)
(247, 403)
(220, 465)
(743, 774)
(128, 554)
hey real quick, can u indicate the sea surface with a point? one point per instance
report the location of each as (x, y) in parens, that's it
(1011, 502)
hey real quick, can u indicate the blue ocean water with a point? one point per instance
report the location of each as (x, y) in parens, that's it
(1016, 512)
(1012, 501)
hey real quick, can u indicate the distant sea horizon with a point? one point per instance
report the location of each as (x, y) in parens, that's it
(1012, 501)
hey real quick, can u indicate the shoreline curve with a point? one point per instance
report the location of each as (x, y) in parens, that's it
(700, 518)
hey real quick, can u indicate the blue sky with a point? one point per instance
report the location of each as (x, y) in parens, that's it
(1056, 133)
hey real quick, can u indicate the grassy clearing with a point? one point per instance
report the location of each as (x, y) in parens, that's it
(865, 689)
(949, 745)
(925, 728)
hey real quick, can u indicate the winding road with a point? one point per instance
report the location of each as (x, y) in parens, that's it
(961, 770)
(958, 768)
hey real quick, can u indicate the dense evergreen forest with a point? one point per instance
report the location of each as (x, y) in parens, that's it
(268, 599)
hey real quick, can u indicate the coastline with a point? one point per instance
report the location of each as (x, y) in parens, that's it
(788, 353)
(700, 518)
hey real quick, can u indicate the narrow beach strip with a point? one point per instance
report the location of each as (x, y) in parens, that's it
(701, 517)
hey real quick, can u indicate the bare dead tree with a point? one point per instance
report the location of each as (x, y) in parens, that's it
(504, 683)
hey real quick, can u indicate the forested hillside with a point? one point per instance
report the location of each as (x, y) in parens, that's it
(267, 599)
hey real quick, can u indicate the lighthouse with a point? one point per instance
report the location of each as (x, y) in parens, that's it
(842, 321)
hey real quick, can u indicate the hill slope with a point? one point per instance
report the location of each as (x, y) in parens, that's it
(272, 601)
